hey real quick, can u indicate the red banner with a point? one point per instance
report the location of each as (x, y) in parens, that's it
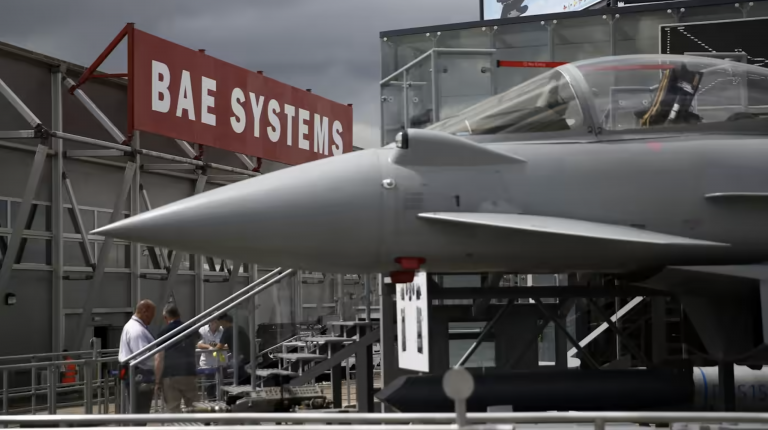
(537, 64)
(185, 94)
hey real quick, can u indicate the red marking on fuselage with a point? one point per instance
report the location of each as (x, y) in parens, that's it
(656, 146)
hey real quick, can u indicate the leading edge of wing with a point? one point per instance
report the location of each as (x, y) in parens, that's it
(566, 227)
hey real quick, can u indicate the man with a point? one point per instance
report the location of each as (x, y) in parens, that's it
(243, 345)
(136, 336)
(175, 367)
(210, 336)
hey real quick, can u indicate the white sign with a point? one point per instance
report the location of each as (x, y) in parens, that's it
(413, 324)
(495, 9)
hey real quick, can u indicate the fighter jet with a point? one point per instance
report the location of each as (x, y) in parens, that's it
(621, 164)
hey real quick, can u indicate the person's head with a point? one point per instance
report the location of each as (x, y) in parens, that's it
(225, 320)
(145, 311)
(171, 313)
(214, 326)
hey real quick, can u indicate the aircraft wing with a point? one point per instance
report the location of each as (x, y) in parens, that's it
(564, 226)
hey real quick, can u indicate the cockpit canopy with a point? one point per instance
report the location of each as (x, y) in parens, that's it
(622, 93)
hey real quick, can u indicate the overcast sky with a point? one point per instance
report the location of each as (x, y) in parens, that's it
(331, 46)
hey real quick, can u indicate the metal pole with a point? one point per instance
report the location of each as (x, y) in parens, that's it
(57, 222)
(135, 209)
(214, 310)
(252, 337)
(6, 375)
(34, 388)
(235, 344)
(483, 334)
(52, 376)
(406, 122)
(368, 283)
(435, 112)
(132, 394)
(88, 391)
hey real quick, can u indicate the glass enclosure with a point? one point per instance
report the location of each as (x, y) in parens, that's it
(430, 77)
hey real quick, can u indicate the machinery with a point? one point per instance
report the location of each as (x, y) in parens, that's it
(552, 176)
(243, 399)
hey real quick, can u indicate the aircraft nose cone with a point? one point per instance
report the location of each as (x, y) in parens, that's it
(315, 216)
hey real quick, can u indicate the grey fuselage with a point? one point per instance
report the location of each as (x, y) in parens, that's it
(336, 215)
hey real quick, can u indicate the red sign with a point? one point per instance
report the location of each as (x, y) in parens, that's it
(185, 94)
(537, 64)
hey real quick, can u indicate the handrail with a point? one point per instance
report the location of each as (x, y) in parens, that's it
(196, 326)
(24, 366)
(599, 418)
(55, 354)
(458, 51)
(212, 310)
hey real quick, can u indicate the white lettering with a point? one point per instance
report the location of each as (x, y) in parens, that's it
(238, 121)
(160, 86)
(274, 130)
(290, 111)
(256, 108)
(338, 147)
(321, 134)
(207, 101)
(303, 129)
(185, 97)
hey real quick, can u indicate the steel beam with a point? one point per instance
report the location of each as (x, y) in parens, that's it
(20, 134)
(78, 222)
(488, 327)
(481, 304)
(106, 249)
(198, 259)
(534, 336)
(145, 197)
(167, 167)
(94, 153)
(19, 105)
(187, 148)
(14, 244)
(27, 227)
(57, 215)
(88, 140)
(246, 161)
(604, 326)
(354, 348)
(229, 177)
(96, 112)
(627, 342)
(560, 326)
(542, 292)
(135, 209)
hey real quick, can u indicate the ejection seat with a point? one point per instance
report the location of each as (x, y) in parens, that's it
(673, 99)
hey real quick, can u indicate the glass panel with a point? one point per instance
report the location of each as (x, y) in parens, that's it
(638, 33)
(544, 104)
(468, 38)
(651, 91)
(392, 111)
(420, 112)
(464, 80)
(581, 38)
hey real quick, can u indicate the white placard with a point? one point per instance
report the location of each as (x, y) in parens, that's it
(413, 324)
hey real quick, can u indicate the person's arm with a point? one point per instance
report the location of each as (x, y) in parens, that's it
(203, 345)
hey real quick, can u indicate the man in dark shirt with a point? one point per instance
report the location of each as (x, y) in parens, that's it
(176, 367)
(243, 345)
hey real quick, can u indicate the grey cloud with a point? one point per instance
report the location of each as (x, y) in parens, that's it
(331, 46)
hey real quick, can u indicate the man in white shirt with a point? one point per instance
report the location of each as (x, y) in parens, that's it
(135, 336)
(210, 335)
